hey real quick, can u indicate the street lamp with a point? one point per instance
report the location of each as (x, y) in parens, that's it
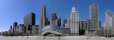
(87, 27)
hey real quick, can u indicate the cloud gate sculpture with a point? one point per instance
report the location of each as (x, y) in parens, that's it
(51, 30)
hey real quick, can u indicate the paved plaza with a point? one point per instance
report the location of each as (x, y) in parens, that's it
(54, 38)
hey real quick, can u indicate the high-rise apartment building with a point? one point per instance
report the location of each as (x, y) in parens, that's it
(94, 16)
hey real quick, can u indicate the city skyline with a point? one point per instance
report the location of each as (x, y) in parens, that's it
(20, 8)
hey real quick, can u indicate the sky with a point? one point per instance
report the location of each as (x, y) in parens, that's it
(15, 10)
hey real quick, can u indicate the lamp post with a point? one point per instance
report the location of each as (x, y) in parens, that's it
(27, 34)
(87, 27)
(58, 37)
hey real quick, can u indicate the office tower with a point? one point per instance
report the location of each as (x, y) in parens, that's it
(56, 20)
(11, 27)
(64, 22)
(35, 29)
(14, 26)
(74, 22)
(29, 20)
(82, 27)
(109, 23)
(44, 21)
(94, 16)
(59, 21)
(20, 28)
(65, 27)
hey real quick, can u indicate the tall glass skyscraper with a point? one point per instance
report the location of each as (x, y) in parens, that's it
(94, 17)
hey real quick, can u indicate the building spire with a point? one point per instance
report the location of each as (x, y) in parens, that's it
(43, 10)
(73, 9)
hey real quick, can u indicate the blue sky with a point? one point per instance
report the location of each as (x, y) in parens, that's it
(15, 10)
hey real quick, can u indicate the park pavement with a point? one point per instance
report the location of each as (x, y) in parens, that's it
(54, 38)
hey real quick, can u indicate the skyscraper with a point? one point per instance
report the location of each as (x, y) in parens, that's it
(64, 22)
(109, 21)
(59, 21)
(29, 20)
(83, 27)
(15, 24)
(56, 20)
(94, 16)
(11, 27)
(44, 21)
(14, 27)
(74, 22)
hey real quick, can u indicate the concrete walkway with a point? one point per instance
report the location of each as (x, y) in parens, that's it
(54, 38)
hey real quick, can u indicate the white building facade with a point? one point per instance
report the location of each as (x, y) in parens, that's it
(109, 23)
(74, 22)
